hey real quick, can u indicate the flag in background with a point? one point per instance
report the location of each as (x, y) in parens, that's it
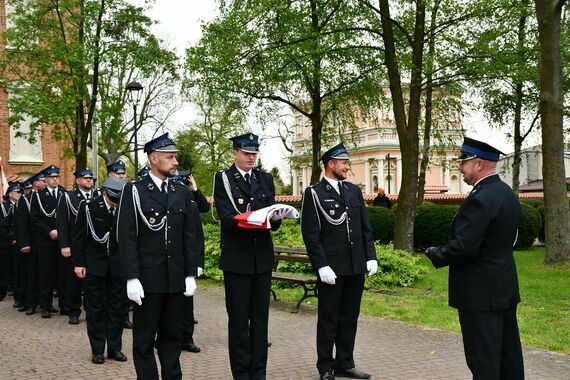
(3, 184)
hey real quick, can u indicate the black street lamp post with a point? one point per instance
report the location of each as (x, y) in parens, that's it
(135, 94)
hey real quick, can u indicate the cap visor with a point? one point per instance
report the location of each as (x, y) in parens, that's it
(167, 149)
(342, 156)
(250, 149)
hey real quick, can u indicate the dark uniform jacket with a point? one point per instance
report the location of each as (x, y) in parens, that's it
(66, 214)
(22, 221)
(6, 224)
(43, 204)
(345, 247)
(96, 257)
(160, 259)
(482, 272)
(245, 251)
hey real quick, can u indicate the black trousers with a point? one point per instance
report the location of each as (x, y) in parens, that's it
(247, 304)
(104, 309)
(188, 332)
(33, 285)
(20, 277)
(160, 316)
(47, 268)
(73, 286)
(492, 344)
(5, 268)
(338, 311)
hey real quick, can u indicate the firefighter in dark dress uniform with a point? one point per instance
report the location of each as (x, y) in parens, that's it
(27, 241)
(66, 214)
(483, 282)
(96, 259)
(158, 238)
(247, 257)
(339, 242)
(43, 220)
(10, 271)
(203, 206)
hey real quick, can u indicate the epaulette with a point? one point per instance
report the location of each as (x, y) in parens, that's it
(178, 182)
(136, 180)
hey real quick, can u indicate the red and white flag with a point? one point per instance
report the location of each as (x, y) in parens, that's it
(3, 184)
(261, 218)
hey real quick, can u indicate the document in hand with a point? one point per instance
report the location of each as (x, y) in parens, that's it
(261, 218)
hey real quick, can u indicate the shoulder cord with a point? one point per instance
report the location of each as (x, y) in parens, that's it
(100, 240)
(153, 227)
(228, 188)
(213, 203)
(70, 206)
(334, 222)
(42, 208)
(4, 210)
(28, 203)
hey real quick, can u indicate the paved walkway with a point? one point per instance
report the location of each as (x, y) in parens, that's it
(35, 348)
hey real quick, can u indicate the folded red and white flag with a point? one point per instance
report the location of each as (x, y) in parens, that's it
(261, 218)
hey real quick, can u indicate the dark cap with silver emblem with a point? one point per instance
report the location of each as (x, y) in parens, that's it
(472, 148)
(14, 187)
(36, 177)
(83, 173)
(247, 142)
(113, 186)
(117, 167)
(162, 144)
(337, 152)
(51, 171)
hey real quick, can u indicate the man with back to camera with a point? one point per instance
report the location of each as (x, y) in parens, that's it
(43, 220)
(96, 259)
(339, 242)
(158, 239)
(65, 221)
(247, 257)
(483, 282)
(26, 242)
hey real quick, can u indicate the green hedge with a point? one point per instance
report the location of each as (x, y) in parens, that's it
(535, 203)
(433, 225)
(396, 268)
(529, 226)
(382, 223)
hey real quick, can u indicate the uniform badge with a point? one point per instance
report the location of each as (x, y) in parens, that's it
(250, 136)
(332, 212)
(171, 188)
(336, 205)
(150, 186)
(151, 220)
(240, 201)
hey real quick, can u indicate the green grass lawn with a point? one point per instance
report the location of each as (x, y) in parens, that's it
(543, 314)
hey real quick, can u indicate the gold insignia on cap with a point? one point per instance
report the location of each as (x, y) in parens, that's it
(151, 220)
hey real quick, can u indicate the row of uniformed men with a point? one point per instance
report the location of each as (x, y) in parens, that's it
(40, 229)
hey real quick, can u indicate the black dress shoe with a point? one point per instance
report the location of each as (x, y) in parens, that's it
(352, 373)
(73, 320)
(22, 308)
(31, 310)
(191, 347)
(127, 324)
(326, 376)
(117, 355)
(17, 305)
(98, 359)
(46, 313)
(54, 310)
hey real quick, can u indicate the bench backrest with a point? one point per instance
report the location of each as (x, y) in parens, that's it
(297, 255)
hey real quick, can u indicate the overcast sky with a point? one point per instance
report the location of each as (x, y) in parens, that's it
(179, 25)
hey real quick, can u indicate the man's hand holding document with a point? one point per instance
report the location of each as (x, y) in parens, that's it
(261, 218)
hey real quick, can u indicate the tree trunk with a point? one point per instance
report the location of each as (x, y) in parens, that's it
(317, 131)
(517, 137)
(407, 129)
(556, 213)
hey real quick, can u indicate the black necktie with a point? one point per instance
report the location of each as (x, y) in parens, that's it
(164, 191)
(341, 189)
(246, 176)
(87, 196)
(53, 193)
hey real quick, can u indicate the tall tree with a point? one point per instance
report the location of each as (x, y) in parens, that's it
(556, 210)
(307, 54)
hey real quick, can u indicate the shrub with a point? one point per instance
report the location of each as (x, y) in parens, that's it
(382, 223)
(212, 251)
(207, 218)
(395, 268)
(433, 225)
(529, 226)
(535, 203)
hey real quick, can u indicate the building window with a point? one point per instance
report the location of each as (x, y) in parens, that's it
(21, 150)
(301, 188)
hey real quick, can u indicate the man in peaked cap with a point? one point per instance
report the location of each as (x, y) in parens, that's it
(66, 214)
(247, 257)
(96, 259)
(9, 262)
(483, 282)
(158, 257)
(27, 242)
(144, 171)
(339, 242)
(117, 169)
(50, 262)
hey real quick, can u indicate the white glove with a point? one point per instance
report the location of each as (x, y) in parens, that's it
(277, 214)
(371, 267)
(135, 290)
(200, 271)
(327, 275)
(190, 286)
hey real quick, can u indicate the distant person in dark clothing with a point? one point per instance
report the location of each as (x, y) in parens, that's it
(382, 200)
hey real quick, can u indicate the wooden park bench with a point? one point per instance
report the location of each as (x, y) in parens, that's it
(308, 282)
